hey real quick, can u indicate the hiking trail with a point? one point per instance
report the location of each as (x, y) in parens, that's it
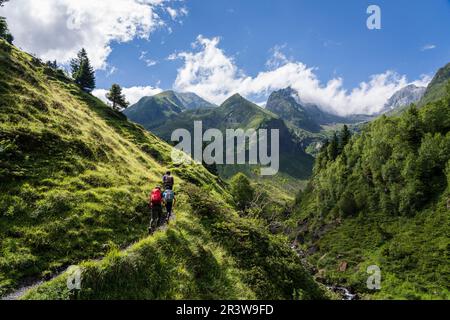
(32, 284)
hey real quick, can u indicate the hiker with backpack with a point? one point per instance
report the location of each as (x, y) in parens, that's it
(169, 201)
(155, 203)
(168, 181)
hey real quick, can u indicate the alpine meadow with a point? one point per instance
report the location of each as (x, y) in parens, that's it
(184, 150)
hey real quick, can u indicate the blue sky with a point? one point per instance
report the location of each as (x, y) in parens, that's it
(322, 40)
(330, 35)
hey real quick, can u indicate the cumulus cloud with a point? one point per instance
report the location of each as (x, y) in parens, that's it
(133, 94)
(210, 73)
(57, 29)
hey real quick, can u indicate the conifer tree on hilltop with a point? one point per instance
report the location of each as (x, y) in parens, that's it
(116, 97)
(82, 72)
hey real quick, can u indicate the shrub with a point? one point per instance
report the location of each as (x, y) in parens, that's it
(242, 191)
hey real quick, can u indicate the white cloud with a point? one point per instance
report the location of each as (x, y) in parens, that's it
(101, 94)
(172, 12)
(110, 71)
(210, 73)
(133, 94)
(278, 57)
(424, 81)
(149, 62)
(57, 29)
(428, 47)
(172, 57)
(176, 13)
(184, 11)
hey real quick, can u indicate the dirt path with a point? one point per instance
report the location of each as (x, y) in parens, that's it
(16, 295)
(19, 293)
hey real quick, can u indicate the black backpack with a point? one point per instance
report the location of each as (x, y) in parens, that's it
(168, 181)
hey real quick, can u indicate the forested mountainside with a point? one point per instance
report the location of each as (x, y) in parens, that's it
(74, 179)
(235, 113)
(383, 199)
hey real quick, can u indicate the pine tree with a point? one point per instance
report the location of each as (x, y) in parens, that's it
(412, 126)
(344, 138)
(333, 148)
(52, 64)
(3, 27)
(82, 71)
(117, 98)
(322, 158)
(75, 63)
(242, 191)
(86, 76)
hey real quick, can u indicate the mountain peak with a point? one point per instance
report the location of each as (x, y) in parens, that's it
(192, 101)
(236, 96)
(404, 97)
(288, 92)
(154, 110)
(286, 104)
(235, 99)
(237, 104)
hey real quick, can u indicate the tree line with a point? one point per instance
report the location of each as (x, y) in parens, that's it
(84, 76)
(333, 148)
(396, 166)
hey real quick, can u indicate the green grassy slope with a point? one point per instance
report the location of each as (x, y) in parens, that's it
(74, 179)
(212, 254)
(436, 88)
(239, 113)
(384, 201)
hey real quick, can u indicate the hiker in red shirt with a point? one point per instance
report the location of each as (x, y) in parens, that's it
(155, 203)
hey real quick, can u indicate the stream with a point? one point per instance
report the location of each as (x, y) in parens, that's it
(344, 293)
